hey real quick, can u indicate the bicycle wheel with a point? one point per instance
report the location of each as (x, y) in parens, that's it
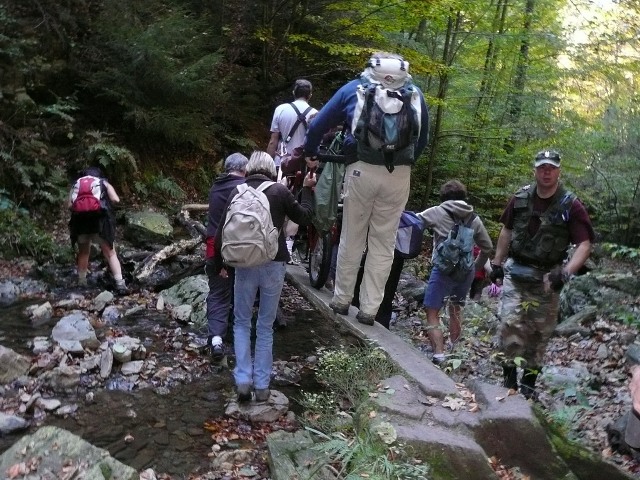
(301, 244)
(320, 260)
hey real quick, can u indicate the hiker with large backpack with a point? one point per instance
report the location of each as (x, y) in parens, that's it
(288, 128)
(250, 239)
(388, 130)
(92, 220)
(456, 228)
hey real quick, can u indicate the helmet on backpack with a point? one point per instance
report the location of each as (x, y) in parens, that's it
(388, 69)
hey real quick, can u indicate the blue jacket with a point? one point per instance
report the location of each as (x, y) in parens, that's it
(340, 108)
(218, 198)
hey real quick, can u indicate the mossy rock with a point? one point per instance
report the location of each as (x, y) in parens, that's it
(148, 228)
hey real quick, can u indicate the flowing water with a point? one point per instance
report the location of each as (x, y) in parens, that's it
(167, 425)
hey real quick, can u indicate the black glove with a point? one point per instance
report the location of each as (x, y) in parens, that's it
(497, 273)
(556, 279)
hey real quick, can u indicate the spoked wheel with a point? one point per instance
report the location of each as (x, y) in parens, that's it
(319, 259)
(301, 245)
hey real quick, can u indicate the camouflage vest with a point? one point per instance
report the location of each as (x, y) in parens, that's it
(548, 247)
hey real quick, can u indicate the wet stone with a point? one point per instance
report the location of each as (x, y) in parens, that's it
(162, 438)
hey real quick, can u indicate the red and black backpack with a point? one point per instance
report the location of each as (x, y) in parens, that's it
(88, 196)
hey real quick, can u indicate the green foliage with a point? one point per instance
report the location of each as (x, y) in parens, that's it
(367, 456)
(564, 418)
(366, 447)
(159, 64)
(351, 374)
(622, 251)
(22, 236)
(29, 178)
(160, 190)
(111, 157)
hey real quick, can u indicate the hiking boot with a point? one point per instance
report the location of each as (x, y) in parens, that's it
(528, 383)
(216, 348)
(510, 377)
(262, 394)
(121, 287)
(438, 359)
(82, 282)
(340, 308)
(329, 285)
(244, 392)
(365, 318)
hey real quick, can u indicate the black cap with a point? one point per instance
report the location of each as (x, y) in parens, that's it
(550, 157)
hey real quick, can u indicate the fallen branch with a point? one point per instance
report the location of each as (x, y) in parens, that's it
(146, 268)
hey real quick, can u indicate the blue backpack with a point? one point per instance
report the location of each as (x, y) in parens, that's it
(409, 236)
(454, 255)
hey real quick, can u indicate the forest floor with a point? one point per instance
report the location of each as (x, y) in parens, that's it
(583, 410)
(595, 396)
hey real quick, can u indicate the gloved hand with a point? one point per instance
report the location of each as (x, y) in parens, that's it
(494, 290)
(556, 279)
(497, 273)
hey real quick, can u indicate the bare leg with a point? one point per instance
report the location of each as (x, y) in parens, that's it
(455, 322)
(434, 332)
(82, 261)
(114, 264)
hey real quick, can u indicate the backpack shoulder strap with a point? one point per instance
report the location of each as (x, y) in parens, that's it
(302, 119)
(264, 185)
(470, 220)
(455, 219)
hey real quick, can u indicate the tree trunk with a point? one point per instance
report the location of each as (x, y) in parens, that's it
(487, 84)
(515, 108)
(448, 55)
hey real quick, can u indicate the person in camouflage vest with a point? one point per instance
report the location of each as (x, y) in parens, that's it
(540, 222)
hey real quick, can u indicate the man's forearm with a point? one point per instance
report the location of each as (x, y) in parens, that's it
(578, 258)
(271, 148)
(502, 246)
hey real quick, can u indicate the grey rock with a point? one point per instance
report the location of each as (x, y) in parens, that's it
(90, 362)
(48, 404)
(40, 345)
(63, 378)
(182, 313)
(12, 365)
(132, 368)
(66, 410)
(55, 448)
(11, 423)
(562, 377)
(633, 354)
(9, 292)
(111, 314)
(191, 291)
(102, 300)
(106, 363)
(269, 411)
(72, 329)
(40, 314)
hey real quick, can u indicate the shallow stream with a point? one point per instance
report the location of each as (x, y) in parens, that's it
(167, 425)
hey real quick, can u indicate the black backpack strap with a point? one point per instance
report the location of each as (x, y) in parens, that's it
(472, 217)
(455, 219)
(302, 119)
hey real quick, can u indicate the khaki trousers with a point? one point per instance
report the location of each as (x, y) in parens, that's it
(373, 202)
